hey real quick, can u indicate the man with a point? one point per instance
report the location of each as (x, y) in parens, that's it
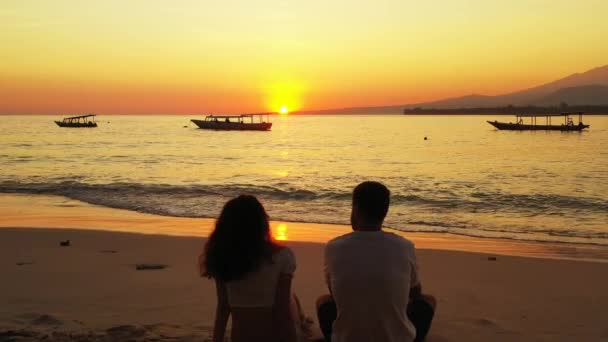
(375, 292)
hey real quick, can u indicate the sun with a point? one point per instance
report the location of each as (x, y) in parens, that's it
(282, 97)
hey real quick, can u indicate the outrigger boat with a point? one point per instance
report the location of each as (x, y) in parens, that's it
(519, 125)
(78, 121)
(244, 122)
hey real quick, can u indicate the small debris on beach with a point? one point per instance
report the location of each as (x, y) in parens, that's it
(492, 258)
(65, 243)
(425, 138)
(24, 263)
(109, 251)
(145, 267)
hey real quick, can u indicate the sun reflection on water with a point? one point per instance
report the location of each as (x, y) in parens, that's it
(280, 232)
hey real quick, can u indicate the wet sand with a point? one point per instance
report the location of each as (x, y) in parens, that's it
(92, 290)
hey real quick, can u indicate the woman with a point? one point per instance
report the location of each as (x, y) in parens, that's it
(252, 276)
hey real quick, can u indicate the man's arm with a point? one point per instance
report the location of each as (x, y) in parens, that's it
(415, 284)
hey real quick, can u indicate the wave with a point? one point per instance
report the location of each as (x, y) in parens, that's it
(473, 202)
(420, 210)
(495, 202)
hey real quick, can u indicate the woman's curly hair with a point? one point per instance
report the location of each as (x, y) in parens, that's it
(240, 242)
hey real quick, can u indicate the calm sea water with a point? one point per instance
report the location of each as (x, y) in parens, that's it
(467, 178)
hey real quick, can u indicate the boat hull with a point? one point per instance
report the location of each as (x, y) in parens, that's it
(233, 126)
(76, 125)
(524, 127)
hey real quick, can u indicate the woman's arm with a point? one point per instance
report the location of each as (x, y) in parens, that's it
(222, 312)
(282, 311)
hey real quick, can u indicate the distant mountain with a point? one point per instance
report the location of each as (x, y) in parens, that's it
(577, 96)
(588, 88)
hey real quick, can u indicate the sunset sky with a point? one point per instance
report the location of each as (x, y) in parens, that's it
(152, 56)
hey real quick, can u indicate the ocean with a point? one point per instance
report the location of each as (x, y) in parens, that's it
(465, 178)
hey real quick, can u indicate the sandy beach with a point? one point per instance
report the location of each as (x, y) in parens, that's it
(488, 289)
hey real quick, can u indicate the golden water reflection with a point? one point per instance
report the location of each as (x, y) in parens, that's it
(280, 232)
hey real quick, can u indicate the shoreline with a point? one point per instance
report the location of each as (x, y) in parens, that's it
(487, 289)
(92, 290)
(58, 212)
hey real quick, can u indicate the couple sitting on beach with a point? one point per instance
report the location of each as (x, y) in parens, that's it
(375, 291)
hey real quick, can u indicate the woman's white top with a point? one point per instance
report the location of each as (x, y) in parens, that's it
(258, 288)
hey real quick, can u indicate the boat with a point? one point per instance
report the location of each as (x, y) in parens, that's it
(242, 122)
(533, 125)
(87, 120)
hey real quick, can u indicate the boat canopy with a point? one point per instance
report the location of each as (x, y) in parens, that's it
(230, 116)
(80, 116)
(545, 115)
(239, 118)
(566, 115)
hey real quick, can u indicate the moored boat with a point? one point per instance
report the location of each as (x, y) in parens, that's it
(84, 121)
(243, 122)
(520, 125)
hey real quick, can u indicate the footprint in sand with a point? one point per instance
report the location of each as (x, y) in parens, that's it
(45, 320)
(485, 322)
(17, 335)
(170, 332)
(125, 332)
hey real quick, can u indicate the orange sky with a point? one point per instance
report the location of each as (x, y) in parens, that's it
(156, 56)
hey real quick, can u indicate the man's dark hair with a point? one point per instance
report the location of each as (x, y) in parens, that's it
(372, 200)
